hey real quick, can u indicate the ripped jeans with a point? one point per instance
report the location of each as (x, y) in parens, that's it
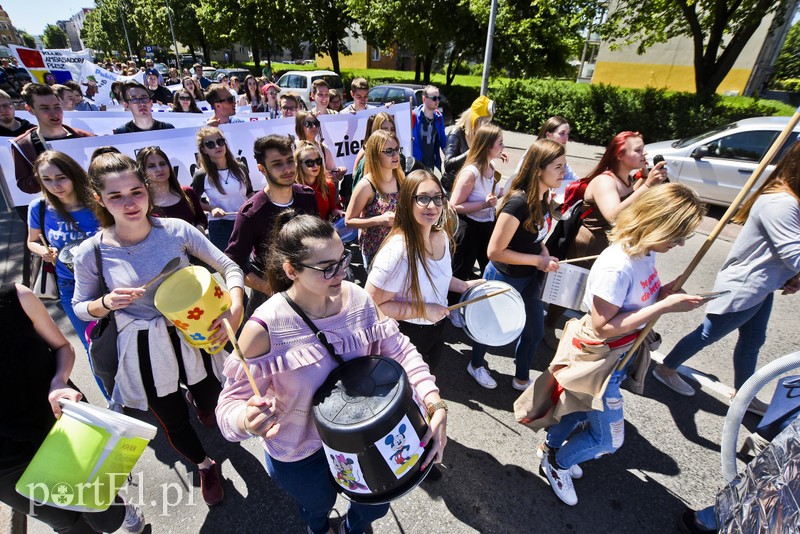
(603, 434)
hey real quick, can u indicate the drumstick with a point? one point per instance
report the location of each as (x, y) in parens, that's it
(238, 351)
(585, 258)
(44, 242)
(497, 178)
(476, 299)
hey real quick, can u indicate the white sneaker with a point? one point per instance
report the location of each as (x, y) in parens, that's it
(561, 482)
(674, 382)
(134, 520)
(482, 376)
(521, 387)
(116, 407)
(575, 471)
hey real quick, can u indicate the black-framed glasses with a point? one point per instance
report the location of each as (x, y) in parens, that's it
(391, 151)
(312, 162)
(311, 124)
(229, 100)
(211, 145)
(288, 108)
(185, 98)
(423, 201)
(332, 270)
(434, 98)
(140, 100)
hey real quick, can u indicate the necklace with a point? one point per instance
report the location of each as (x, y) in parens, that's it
(122, 243)
(324, 313)
(227, 176)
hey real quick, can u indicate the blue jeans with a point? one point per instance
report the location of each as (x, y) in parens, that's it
(309, 482)
(219, 232)
(532, 333)
(603, 435)
(752, 326)
(66, 288)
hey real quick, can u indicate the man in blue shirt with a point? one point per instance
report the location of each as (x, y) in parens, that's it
(427, 130)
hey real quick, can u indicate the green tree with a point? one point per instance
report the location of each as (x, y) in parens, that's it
(788, 63)
(103, 28)
(188, 30)
(328, 27)
(719, 30)
(27, 39)
(55, 37)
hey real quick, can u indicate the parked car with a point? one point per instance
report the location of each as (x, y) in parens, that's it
(300, 82)
(401, 92)
(239, 73)
(717, 163)
(208, 71)
(163, 69)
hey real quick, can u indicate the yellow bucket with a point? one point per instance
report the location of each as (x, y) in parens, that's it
(85, 459)
(191, 299)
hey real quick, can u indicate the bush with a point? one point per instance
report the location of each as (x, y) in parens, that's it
(791, 85)
(598, 112)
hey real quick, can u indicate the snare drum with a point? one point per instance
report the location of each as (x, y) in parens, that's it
(495, 321)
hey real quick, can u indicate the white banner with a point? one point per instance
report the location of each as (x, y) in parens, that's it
(97, 82)
(63, 64)
(343, 134)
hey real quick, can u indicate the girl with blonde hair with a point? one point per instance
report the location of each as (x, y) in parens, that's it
(310, 172)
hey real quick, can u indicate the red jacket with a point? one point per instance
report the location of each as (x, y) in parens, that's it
(26, 148)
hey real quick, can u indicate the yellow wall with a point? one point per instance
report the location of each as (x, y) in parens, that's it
(672, 77)
(357, 60)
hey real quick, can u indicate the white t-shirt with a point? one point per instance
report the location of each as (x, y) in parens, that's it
(389, 272)
(235, 194)
(630, 283)
(481, 189)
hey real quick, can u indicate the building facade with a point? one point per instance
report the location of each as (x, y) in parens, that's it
(8, 34)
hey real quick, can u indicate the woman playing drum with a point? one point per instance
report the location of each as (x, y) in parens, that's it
(623, 293)
(412, 272)
(309, 263)
(131, 250)
(518, 255)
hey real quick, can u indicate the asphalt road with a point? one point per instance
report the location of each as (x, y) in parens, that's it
(490, 483)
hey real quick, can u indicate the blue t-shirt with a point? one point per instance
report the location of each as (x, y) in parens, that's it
(60, 232)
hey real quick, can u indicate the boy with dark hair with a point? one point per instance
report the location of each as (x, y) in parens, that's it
(224, 103)
(137, 100)
(359, 91)
(10, 126)
(320, 94)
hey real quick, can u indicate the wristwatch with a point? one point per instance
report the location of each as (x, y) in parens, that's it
(433, 407)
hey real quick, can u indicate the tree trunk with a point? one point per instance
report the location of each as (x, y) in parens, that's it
(428, 66)
(418, 69)
(333, 51)
(206, 50)
(453, 63)
(256, 57)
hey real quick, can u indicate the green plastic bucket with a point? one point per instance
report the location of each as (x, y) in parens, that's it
(85, 459)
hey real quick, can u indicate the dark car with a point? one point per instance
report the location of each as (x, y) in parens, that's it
(239, 73)
(401, 92)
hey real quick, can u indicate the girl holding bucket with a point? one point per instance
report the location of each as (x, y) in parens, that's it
(288, 363)
(154, 358)
(474, 199)
(518, 254)
(412, 271)
(623, 293)
(374, 200)
(170, 199)
(311, 172)
(222, 181)
(764, 259)
(36, 383)
(63, 215)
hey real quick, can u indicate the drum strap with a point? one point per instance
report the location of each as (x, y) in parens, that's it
(320, 335)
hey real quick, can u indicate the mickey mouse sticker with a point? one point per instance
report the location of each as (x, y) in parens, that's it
(400, 448)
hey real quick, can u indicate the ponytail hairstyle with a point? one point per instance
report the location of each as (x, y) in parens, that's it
(103, 166)
(289, 236)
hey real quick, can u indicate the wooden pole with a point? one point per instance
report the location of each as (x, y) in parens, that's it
(773, 150)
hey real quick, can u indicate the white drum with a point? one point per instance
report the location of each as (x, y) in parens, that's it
(566, 286)
(495, 321)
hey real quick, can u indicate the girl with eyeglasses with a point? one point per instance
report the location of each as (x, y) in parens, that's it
(474, 199)
(335, 101)
(412, 271)
(154, 359)
(518, 255)
(251, 95)
(372, 206)
(222, 181)
(170, 198)
(379, 121)
(184, 102)
(310, 173)
(308, 128)
(308, 265)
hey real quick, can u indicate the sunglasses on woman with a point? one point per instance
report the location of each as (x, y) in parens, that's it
(312, 162)
(211, 145)
(185, 98)
(332, 270)
(311, 124)
(391, 151)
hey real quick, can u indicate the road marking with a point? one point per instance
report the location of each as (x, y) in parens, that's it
(700, 377)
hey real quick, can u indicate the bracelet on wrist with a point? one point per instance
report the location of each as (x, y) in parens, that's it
(103, 302)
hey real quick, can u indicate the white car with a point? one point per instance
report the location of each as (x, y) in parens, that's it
(717, 163)
(299, 81)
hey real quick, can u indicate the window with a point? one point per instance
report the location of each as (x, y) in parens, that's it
(743, 146)
(375, 54)
(396, 95)
(376, 94)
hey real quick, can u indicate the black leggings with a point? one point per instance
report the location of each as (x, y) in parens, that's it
(171, 410)
(427, 338)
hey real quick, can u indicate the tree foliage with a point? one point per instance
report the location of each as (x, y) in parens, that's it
(55, 37)
(788, 63)
(103, 28)
(719, 29)
(328, 27)
(27, 39)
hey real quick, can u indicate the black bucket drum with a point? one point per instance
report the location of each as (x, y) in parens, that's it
(371, 427)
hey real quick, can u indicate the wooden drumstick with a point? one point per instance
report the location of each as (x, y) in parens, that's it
(574, 260)
(476, 299)
(497, 178)
(48, 247)
(238, 351)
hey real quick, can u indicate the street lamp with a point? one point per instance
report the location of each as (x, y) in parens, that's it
(174, 41)
(487, 59)
(125, 29)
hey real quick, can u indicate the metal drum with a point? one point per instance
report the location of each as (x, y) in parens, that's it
(67, 253)
(495, 321)
(566, 286)
(371, 428)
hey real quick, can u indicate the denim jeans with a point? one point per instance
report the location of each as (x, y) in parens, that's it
(309, 482)
(603, 435)
(752, 326)
(219, 232)
(532, 333)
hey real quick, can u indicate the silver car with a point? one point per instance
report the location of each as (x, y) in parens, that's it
(717, 163)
